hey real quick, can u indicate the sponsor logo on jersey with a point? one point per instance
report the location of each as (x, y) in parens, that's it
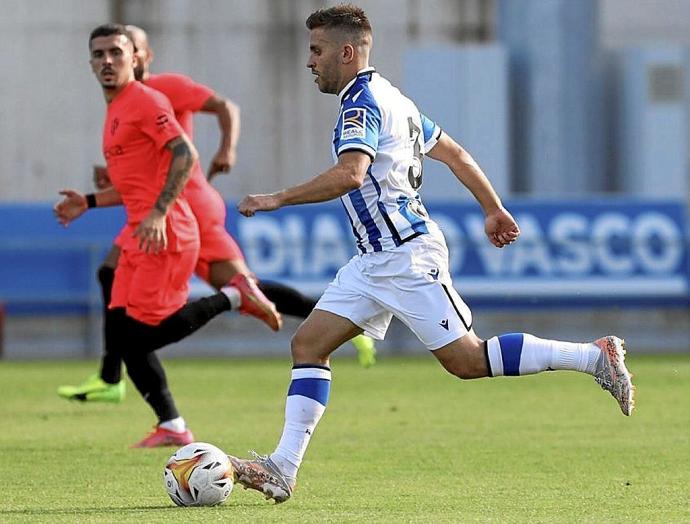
(416, 206)
(354, 123)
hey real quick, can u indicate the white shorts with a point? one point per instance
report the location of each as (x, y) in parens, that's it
(411, 282)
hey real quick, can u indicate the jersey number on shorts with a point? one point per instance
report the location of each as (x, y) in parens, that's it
(414, 172)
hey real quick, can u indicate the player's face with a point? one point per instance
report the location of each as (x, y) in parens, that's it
(112, 60)
(324, 61)
(143, 55)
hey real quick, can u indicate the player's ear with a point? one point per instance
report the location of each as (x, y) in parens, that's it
(348, 53)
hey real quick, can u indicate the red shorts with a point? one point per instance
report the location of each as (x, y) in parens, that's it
(216, 243)
(120, 238)
(152, 287)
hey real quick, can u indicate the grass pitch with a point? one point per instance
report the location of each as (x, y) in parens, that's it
(401, 442)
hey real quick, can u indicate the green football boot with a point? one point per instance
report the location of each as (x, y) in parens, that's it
(366, 350)
(93, 389)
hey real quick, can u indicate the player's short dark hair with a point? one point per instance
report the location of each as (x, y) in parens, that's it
(111, 29)
(345, 17)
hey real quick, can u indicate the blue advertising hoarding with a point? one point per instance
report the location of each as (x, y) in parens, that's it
(587, 251)
(612, 251)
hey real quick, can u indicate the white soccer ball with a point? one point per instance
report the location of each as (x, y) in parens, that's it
(198, 474)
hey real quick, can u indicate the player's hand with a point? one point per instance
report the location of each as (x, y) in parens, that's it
(71, 207)
(501, 228)
(253, 203)
(222, 162)
(151, 232)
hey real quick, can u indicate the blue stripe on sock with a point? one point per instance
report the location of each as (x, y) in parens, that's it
(511, 351)
(314, 388)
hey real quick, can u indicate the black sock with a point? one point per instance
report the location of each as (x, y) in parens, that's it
(177, 326)
(136, 341)
(288, 301)
(106, 275)
(147, 374)
(111, 362)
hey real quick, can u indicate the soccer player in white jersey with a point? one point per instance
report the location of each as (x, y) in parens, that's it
(402, 267)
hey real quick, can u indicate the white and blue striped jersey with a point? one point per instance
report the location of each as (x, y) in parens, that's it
(377, 119)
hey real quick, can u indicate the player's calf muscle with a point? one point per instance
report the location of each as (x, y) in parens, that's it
(465, 361)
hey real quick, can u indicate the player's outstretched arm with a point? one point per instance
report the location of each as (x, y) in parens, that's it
(343, 177)
(228, 115)
(74, 204)
(500, 226)
(152, 230)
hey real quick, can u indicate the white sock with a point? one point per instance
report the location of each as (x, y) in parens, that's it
(524, 354)
(177, 425)
(233, 295)
(306, 402)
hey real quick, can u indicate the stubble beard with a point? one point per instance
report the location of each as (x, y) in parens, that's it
(108, 85)
(327, 87)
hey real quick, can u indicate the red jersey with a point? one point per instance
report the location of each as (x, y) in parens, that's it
(185, 95)
(138, 125)
(188, 97)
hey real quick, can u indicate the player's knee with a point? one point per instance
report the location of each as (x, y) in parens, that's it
(300, 347)
(305, 349)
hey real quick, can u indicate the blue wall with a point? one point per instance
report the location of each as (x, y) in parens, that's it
(624, 252)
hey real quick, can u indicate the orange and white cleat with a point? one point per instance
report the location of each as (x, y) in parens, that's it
(255, 303)
(161, 437)
(261, 474)
(612, 375)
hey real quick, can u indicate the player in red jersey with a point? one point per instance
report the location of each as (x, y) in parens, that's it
(150, 159)
(220, 258)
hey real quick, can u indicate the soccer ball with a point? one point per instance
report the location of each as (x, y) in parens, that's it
(198, 474)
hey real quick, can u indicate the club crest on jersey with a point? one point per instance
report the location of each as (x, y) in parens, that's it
(354, 123)
(161, 120)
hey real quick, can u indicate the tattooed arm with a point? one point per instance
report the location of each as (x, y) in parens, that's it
(152, 230)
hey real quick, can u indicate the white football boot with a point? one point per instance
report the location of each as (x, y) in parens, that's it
(611, 373)
(262, 475)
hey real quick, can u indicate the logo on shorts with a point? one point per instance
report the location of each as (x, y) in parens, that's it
(444, 324)
(161, 119)
(354, 123)
(433, 273)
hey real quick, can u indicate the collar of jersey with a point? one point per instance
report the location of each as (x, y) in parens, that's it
(119, 96)
(360, 73)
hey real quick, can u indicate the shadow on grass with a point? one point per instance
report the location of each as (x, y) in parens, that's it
(118, 509)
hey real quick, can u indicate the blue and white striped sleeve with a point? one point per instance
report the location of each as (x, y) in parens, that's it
(358, 126)
(432, 132)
